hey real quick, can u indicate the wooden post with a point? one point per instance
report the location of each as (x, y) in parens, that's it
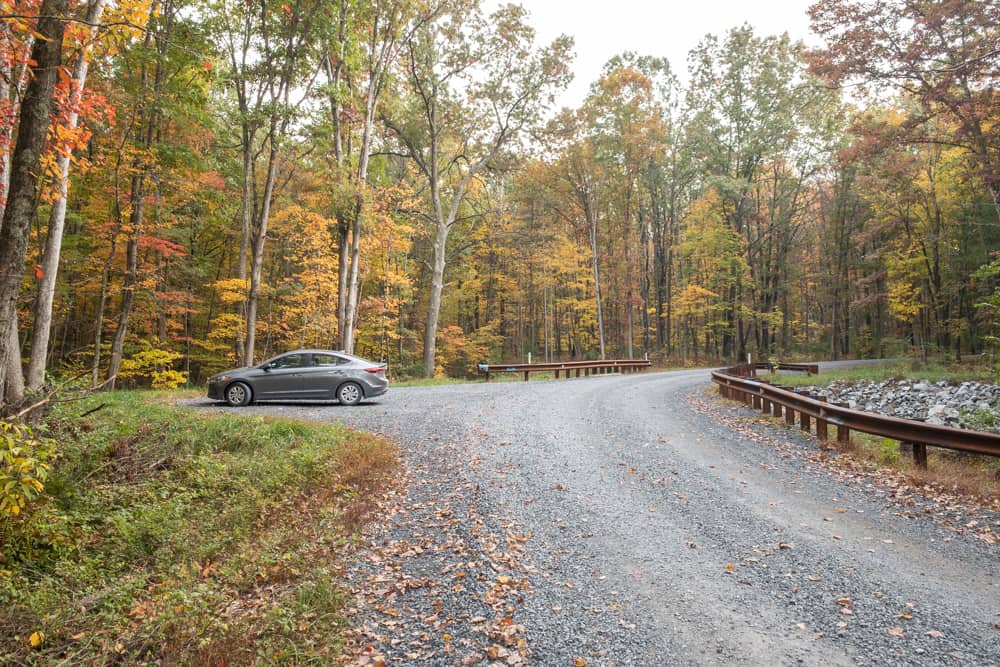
(804, 421)
(775, 409)
(920, 455)
(821, 423)
(525, 376)
(765, 405)
(789, 415)
(843, 435)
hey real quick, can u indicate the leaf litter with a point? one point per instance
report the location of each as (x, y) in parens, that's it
(435, 581)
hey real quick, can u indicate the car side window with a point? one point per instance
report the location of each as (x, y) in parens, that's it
(289, 361)
(325, 360)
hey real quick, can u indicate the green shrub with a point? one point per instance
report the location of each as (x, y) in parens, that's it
(25, 462)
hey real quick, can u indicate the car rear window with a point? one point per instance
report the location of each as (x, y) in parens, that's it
(328, 360)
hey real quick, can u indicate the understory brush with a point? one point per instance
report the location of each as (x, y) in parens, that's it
(166, 535)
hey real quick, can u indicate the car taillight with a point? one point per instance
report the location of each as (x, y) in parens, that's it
(374, 370)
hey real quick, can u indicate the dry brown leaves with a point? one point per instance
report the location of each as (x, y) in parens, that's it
(959, 513)
(437, 578)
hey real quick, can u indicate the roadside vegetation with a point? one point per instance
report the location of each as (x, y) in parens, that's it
(165, 536)
(961, 472)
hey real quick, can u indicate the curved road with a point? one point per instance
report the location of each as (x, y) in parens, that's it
(640, 521)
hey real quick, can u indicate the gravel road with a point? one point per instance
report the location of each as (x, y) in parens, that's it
(637, 520)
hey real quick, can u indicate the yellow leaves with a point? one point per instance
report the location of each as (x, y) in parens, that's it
(36, 638)
(231, 291)
(24, 467)
(579, 662)
(154, 365)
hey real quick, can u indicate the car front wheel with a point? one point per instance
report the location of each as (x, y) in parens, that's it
(350, 393)
(238, 394)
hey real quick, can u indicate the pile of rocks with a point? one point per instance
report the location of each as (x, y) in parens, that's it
(934, 403)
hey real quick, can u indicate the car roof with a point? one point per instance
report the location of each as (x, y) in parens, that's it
(319, 351)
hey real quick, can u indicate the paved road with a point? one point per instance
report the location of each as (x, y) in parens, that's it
(662, 529)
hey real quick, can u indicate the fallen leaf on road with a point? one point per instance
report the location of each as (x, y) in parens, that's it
(896, 632)
(937, 634)
(845, 601)
(579, 662)
(786, 545)
(730, 567)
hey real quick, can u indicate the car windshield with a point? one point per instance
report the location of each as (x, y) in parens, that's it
(287, 361)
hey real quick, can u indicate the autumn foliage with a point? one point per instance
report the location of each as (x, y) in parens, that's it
(224, 203)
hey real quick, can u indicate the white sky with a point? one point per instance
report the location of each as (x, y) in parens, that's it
(669, 28)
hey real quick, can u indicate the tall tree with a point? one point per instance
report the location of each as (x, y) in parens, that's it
(268, 45)
(505, 82)
(36, 108)
(943, 55)
(49, 267)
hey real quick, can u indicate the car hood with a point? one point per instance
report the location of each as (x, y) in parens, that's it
(233, 371)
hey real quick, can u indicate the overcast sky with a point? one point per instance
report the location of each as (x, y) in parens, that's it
(670, 28)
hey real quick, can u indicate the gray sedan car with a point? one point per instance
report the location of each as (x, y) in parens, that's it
(315, 375)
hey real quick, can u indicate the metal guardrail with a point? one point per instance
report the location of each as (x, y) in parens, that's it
(568, 367)
(739, 383)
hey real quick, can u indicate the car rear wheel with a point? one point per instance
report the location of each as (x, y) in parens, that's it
(350, 393)
(238, 394)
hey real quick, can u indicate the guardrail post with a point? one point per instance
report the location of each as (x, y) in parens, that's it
(843, 435)
(804, 421)
(820, 422)
(525, 376)
(916, 451)
(775, 409)
(789, 415)
(765, 405)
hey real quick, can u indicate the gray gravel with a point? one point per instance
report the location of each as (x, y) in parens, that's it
(657, 534)
(934, 402)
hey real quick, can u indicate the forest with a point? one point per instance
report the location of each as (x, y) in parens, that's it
(192, 185)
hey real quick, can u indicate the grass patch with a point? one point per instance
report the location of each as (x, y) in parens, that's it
(171, 536)
(957, 472)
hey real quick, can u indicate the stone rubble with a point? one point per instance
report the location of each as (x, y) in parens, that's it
(931, 402)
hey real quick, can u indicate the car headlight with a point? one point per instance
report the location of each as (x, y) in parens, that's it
(221, 378)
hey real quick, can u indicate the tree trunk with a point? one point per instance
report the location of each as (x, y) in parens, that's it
(15, 380)
(597, 280)
(247, 214)
(434, 302)
(36, 109)
(129, 284)
(258, 249)
(364, 153)
(53, 243)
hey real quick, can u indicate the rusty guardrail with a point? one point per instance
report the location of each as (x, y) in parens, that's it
(568, 367)
(739, 383)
